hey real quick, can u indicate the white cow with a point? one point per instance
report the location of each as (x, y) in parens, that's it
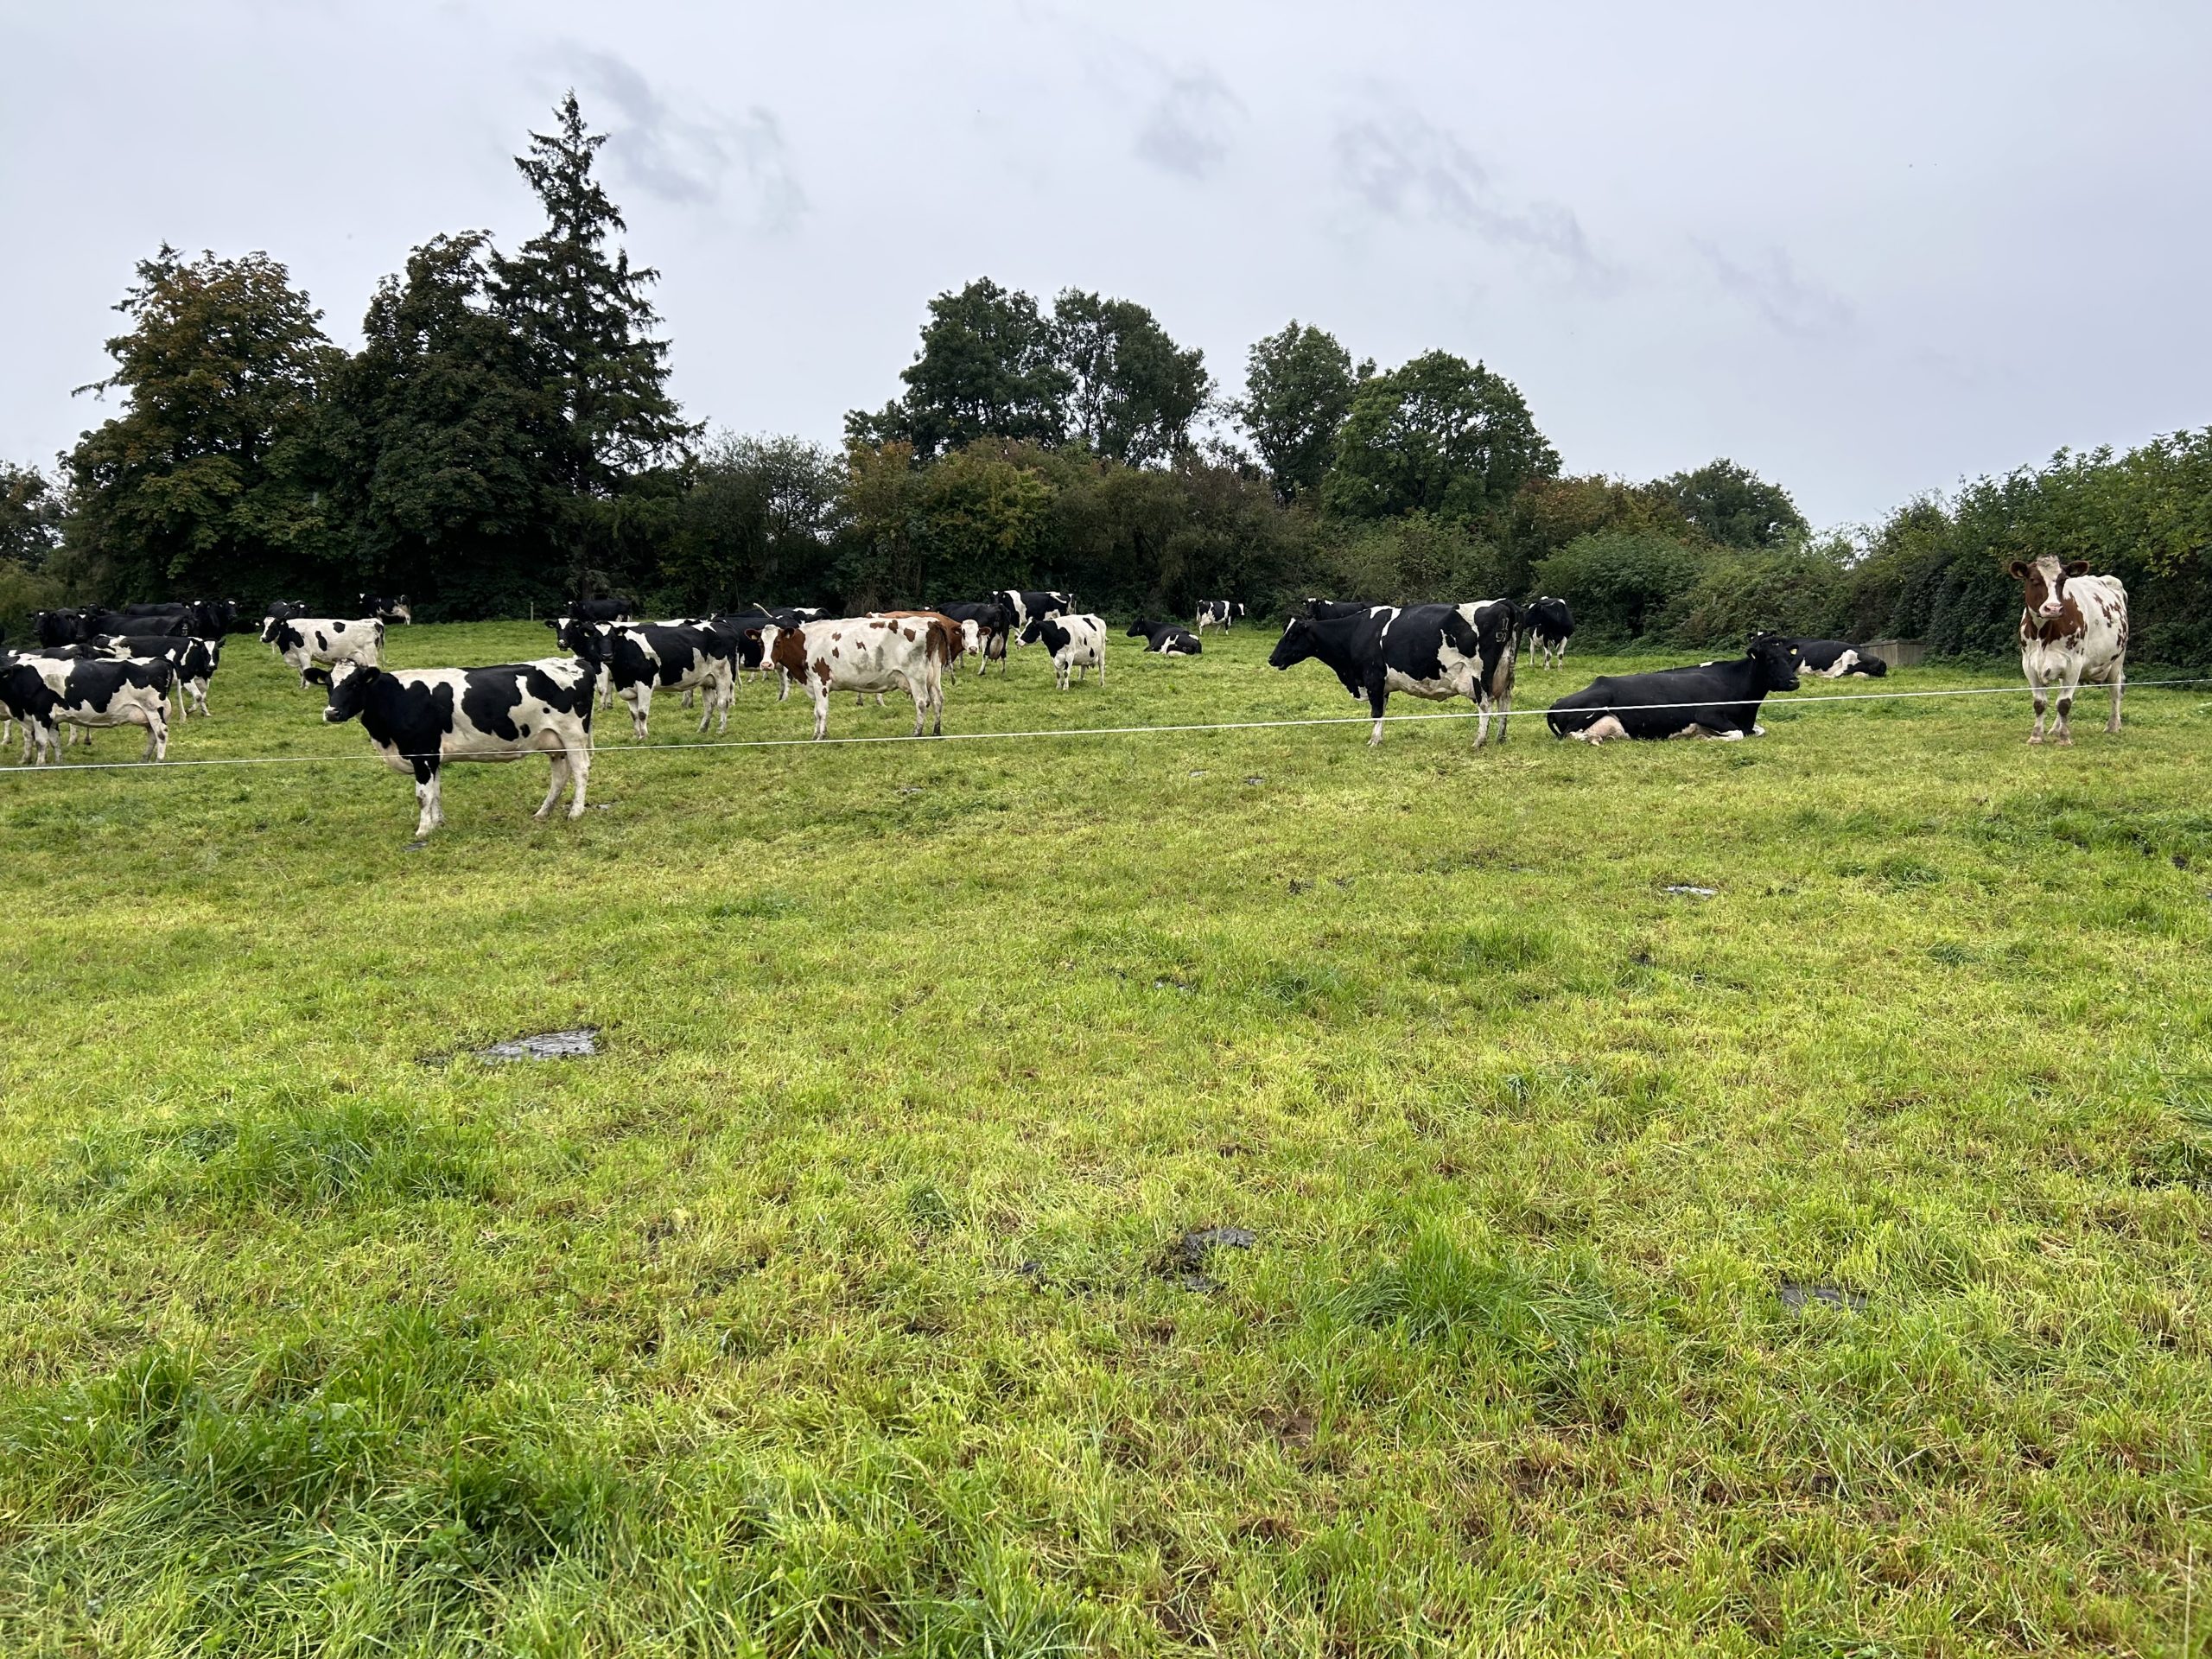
(2073, 627)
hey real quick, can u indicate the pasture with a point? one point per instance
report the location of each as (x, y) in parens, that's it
(1817, 1266)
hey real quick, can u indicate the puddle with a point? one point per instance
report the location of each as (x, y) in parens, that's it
(1797, 1297)
(1696, 892)
(1184, 1261)
(545, 1045)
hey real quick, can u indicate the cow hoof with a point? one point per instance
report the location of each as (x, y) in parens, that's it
(2033, 742)
(2063, 742)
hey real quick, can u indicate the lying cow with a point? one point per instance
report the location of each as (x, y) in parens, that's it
(1550, 624)
(1436, 652)
(308, 642)
(866, 653)
(1710, 700)
(641, 658)
(2073, 627)
(1218, 613)
(419, 719)
(1165, 639)
(1077, 643)
(1831, 659)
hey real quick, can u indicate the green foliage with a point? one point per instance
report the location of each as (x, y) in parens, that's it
(758, 519)
(1133, 391)
(1802, 590)
(30, 516)
(1620, 582)
(209, 479)
(1418, 559)
(988, 367)
(1298, 388)
(1733, 506)
(1435, 435)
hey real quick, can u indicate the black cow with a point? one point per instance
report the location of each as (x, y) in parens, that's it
(384, 609)
(1550, 623)
(994, 624)
(604, 610)
(52, 628)
(1710, 700)
(170, 618)
(195, 661)
(1437, 651)
(1218, 613)
(1166, 638)
(1322, 609)
(421, 718)
(1831, 659)
(639, 659)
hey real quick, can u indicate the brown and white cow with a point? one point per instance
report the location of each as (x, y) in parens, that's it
(2073, 627)
(866, 654)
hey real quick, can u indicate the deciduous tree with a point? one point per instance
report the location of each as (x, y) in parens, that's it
(1437, 434)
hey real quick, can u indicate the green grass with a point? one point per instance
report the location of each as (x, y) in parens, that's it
(836, 1309)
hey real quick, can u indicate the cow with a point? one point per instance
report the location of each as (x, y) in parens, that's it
(195, 661)
(168, 618)
(283, 610)
(1719, 699)
(306, 642)
(1321, 610)
(92, 692)
(419, 719)
(1077, 643)
(1218, 613)
(386, 610)
(55, 628)
(642, 657)
(1550, 623)
(952, 635)
(1030, 605)
(604, 610)
(2073, 627)
(1165, 639)
(985, 626)
(1435, 651)
(1831, 659)
(866, 653)
(26, 697)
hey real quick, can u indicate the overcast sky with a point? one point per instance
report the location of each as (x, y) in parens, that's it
(1864, 249)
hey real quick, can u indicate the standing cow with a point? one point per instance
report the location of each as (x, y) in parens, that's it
(1218, 613)
(2073, 627)
(1550, 623)
(1077, 643)
(308, 642)
(866, 653)
(1436, 652)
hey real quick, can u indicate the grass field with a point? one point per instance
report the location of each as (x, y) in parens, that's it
(836, 1309)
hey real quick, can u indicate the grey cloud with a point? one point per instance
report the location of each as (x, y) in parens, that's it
(1789, 301)
(1185, 129)
(684, 159)
(1403, 167)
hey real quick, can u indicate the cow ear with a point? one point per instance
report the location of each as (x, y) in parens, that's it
(2078, 567)
(2017, 569)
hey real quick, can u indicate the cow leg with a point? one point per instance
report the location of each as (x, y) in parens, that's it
(2119, 681)
(820, 712)
(430, 814)
(640, 700)
(2035, 690)
(157, 732)
(1601, 730)
(559, 768)
(1378, 699)
(729, 691)
(2063, 733)
(579, 774)
(1102, 665)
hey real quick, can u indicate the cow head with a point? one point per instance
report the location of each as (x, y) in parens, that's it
(2044, 584)
(57, 628)
(1033, 633)
(1142, 629)
(349, 685)
(584, 642)
(789, 652)
(1296, 645)
(1776, 657)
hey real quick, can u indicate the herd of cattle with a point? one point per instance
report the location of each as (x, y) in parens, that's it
(92, 668)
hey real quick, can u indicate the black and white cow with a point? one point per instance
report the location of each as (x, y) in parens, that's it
(26, 697)
(1030, 605)
(420, 719)
(1218, 613)
(308, 642)
(617, 609)
(56, 628)
(94, 692)
(385, 609)
(1831, 659)
(1165, 639)
(640, 658)
(1708, 700)
(195, 661)
(1550, 625)
(1077, 643)
(1436, 652)
(986, 625)
(1322, 609)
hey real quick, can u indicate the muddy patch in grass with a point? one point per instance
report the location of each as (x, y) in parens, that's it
(544, 1046)
(1183, 1263)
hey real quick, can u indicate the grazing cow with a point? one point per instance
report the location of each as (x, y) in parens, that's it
(1077, 643)
(1709, 700)
(642, 657)
(604, 610)
(195, 661)
(1029, 605)
(93, 692)
(307, 642)
(986, 625)
(1218, 613)
(1165, 639)
(386, 610)
(1435, 651)
(421, 718)
(26, 697)
(1322, 610)
(1550, 623)
(866, 653)
(2073, 627)
(1834, 658)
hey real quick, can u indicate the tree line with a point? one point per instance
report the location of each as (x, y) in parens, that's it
(504, 439)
